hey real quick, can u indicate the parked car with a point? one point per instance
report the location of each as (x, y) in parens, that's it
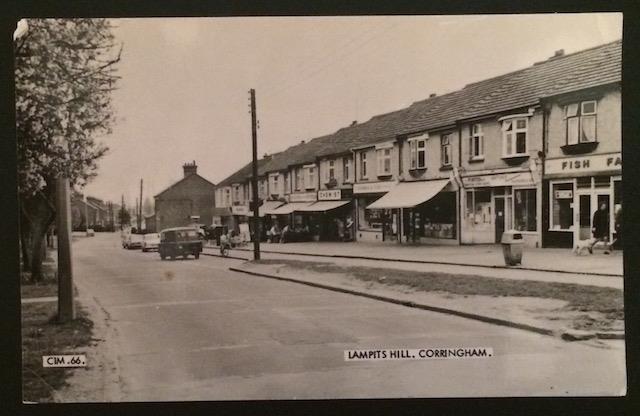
(180, 241)
(132, 241)
(150, 241)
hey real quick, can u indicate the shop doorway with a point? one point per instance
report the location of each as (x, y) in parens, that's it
(500, 217)
(588, 203)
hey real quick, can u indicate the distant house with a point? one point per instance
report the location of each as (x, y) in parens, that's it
(191, 197)
(97, 211)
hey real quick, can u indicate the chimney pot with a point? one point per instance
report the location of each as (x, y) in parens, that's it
(559, 52)
(433, 94)
(354, 122)
(190, 168)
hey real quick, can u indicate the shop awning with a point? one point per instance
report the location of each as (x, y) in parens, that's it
(289, 208)
(409, 194)
(323, 206)
(267, 208)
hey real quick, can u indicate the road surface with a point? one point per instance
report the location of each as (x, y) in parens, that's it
(192, 330)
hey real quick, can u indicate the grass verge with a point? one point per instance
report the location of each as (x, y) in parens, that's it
(43, 335)
(605, 302)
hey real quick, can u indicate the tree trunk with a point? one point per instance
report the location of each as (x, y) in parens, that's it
(39, 215)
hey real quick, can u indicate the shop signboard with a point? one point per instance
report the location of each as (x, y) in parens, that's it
(302, 197)
(240, 210)
(373, 187)
(569, 166)
(564, 194)
(330, 195)
(523, 178)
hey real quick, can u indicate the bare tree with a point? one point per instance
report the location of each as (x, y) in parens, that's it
(65, 74)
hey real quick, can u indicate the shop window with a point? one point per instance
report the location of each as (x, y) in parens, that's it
(476, 142)
(369, 219)
(418, 153)
(584, 182)
(562, 206)
(524, 206)
(478, 207)
(384, 161)
(601, 181)
(581, 122)
(445, 150)
(346, 169)
(437, 217)
(514, 137)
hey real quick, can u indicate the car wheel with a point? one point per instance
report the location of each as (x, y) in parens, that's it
(162, 256)
(197, 255)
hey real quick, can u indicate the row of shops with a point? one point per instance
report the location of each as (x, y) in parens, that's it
(551, 208)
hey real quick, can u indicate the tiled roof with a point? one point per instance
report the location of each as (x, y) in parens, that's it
(599, 65)
(580, 70)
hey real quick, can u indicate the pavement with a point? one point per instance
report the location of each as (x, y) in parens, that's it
(483, 255)
(193, 330)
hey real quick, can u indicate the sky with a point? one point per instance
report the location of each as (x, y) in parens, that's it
(184, 92)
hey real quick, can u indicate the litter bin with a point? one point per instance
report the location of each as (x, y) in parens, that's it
(512, 243)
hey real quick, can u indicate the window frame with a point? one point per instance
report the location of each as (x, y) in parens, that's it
(331, 170)
(513, 207)
(444, 146)
(480, 136)
(514, 136)
(309, 177)
(346, 169)
(383, 159)
(363, 165)
(573, 199)
(415, 150)
(579, 116)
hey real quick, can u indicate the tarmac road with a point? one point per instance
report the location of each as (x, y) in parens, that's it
(192, 330)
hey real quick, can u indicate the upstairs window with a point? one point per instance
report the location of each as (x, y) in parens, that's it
(384, 161)
(331, 171)
(581, 122)
(310, 177)
(418, 153)
(445, 150)
(298, 179)
(514, 137)
(363, 165)
(476, 142)
(346, 169)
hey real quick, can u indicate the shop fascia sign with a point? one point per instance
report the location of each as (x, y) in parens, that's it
(302, 197)
(523, 178)
(240, 209)
(330, 195)
(373, 187)
(582, 164)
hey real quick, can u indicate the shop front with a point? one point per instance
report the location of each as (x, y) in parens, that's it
(241, 221)
(289, 215)
(422, 211)
(266, 219)
(374, 224)
(330, 217)
(497, 202)
(575, 187)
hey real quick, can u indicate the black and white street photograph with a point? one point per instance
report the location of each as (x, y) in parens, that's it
(320, 207)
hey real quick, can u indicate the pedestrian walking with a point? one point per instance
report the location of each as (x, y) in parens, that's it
(600, 228)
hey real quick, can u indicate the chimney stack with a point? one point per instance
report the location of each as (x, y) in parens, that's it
(433, 94)
(558, 53)
(190, 168)
(354, 122)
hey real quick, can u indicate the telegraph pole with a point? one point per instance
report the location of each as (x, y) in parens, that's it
(254, 178)
(66, 307)
(140, 208)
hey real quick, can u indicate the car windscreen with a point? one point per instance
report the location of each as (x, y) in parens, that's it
(186, 235)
